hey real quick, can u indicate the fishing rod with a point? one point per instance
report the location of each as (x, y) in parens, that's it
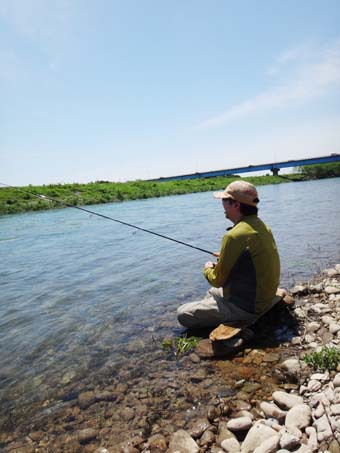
(44, 197)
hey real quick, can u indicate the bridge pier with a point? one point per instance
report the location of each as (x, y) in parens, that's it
(275, 171)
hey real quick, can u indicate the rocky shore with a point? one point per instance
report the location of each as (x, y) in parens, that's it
(264, 398)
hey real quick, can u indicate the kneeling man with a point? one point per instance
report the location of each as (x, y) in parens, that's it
(246, 275)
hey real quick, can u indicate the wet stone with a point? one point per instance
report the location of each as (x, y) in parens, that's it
(86, 435)
(157, 442)
(182, 442)
(128, 413)
(198, 428)
(86, 399)
(208, 437)
(213, 413)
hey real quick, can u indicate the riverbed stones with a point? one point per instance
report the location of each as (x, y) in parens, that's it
(272, 410)
(182, 442)
(286, 400)
(198, 428)
(256, 436)
(86, 435)
(298, 416)
(239, 424)
(157, 442)
(231, 445)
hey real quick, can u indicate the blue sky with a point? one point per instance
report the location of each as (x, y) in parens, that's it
(123, 90)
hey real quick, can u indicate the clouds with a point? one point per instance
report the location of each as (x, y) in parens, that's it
(299, 74)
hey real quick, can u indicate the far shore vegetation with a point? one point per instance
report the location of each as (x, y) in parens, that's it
(13, 201)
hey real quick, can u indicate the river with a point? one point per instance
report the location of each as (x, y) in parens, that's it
(77, 289)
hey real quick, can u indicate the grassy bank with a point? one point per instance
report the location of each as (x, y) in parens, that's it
(13, 201)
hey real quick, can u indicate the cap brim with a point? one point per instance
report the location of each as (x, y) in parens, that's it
(219, 195)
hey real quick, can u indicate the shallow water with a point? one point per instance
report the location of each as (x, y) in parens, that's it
(78, 290)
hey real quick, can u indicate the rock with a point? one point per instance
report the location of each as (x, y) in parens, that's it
(223, 433)
(324, 431)
(296, 341)
(298, 416)
(292, 367)
(207, 438)
(332, 290)
(268, 446)
(298, 289)
(312, 327)
(271, 410)
(326, 319)
(319, 411)
(182, 442)
(312, 438)
(156, 442)
(334, 446)
(257, 434)
(286, 400)
(86, 435)
(213, 413)
(105, 396)
(128, 413)
(198, 428)
(244, 414)
(86, 399)
(239, 424)
(336, 380)
(320, 376)
(207, 349)
(335, 409)
(194, 358)
(288, 440)
(313, 385)
(334, 328)
(231, 445)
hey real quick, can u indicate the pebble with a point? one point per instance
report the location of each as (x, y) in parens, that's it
(314, 385)
(323, 428)
(313, 327)
(257, 434)
(332, 290)
(272, 410)
(239, 424)
(269, 445)
(286, 400)
(288, 440)
(299, 416)
(182, 442)
(231, 445)
(86, 435)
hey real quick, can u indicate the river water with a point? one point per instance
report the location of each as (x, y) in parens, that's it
(77, 289)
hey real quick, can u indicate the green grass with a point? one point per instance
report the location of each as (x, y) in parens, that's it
(13, 201)
(326, 359)
(179, 346)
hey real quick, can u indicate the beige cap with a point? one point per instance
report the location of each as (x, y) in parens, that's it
(241, 191)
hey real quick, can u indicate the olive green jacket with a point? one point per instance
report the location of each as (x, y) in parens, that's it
(248, 267)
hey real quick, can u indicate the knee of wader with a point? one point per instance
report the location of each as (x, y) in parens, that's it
(184, 317)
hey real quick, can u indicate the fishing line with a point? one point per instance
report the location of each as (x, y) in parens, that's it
(44, 197)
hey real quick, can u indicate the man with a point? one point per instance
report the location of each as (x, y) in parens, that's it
(246, 276)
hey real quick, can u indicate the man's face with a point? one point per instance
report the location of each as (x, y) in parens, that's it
(231, 209)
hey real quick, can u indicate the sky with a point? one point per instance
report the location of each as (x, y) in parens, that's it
(138, 89)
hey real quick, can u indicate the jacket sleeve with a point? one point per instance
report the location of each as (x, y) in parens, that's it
(231, 249)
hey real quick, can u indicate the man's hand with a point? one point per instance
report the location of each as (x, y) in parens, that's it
(217, 254)
(209, 265)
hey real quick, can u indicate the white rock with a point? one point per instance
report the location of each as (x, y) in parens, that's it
(268, 446)
(319, 411)
(335, 409)
(288, 440)
(300, 313)
(272, 410)
(332, 290)
(329, 395)
(327, 319)
(239, 424)
(298, 416)
(312, 438)
(334, 328)
(323, 428)
(312, 327)
(320, 376)
(336, 380)
(296, 340)
(181, 441)
(231, 445)
(309, 338)
(292, 366)
(286, 400)
(244, 413)
(314, 385)
(256, 435)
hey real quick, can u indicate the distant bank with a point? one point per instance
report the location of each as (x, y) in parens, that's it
(13, 201)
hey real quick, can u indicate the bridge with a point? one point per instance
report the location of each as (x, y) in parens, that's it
(274, 167)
